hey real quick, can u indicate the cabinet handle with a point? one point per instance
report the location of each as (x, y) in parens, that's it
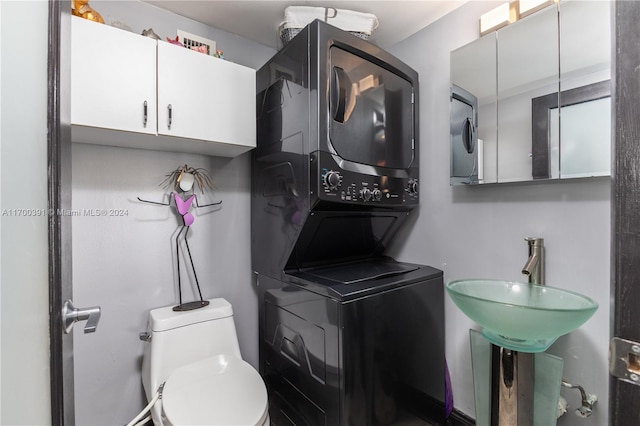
(170, 109)
(144, 118)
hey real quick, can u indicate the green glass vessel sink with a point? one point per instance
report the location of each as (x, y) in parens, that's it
(521, 316)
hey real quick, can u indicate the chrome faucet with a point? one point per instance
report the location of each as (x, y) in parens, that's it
(534, 268)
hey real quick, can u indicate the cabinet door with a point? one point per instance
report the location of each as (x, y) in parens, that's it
(113, 75)
(201, 97)
(528, 67)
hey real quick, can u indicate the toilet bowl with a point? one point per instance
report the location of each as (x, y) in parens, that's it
(195, 357)
(220, 390)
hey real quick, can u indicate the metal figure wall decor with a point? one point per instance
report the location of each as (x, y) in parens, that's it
(181, 181)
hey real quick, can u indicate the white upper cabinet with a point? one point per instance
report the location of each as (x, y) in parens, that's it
(200, 96)
(133, 91)
(113, 75)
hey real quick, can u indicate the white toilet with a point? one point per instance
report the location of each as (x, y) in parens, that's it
(197, 357)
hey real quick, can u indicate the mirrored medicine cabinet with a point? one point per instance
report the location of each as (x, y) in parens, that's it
(531, 101)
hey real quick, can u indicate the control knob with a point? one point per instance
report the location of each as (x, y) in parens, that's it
(366, 194)
(332, 180)
(412, 187)
(377, 194)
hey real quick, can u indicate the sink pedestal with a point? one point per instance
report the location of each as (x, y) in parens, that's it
(533, 396)
(512, 382)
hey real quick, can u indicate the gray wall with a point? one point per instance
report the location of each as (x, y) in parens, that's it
(479, 232)
(125, 264)
(140, 16)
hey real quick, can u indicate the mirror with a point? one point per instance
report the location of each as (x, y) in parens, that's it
(474, 75)
(585, 133)
(543, 98)
(528, 67)
(585, 97)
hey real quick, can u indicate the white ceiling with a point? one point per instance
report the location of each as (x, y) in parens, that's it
(259, 20)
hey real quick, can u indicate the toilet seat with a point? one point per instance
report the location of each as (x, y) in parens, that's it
(220, 390)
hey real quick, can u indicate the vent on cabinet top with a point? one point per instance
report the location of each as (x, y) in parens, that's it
(194, 41)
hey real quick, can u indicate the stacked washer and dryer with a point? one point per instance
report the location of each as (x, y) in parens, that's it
(348, 335)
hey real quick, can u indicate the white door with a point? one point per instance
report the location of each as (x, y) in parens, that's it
(24, 216)
(37, 356)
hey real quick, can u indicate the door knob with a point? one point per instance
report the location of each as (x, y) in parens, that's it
(71, 315)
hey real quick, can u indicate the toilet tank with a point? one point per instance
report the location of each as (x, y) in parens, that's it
(180, 338)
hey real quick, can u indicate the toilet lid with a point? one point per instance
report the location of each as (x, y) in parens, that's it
(220, 390)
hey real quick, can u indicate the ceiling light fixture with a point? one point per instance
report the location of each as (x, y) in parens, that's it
(498, 17)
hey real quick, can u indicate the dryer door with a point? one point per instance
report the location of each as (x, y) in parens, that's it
(371, 114)
(464, 137)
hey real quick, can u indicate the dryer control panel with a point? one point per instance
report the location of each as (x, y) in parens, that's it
(339, 185)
